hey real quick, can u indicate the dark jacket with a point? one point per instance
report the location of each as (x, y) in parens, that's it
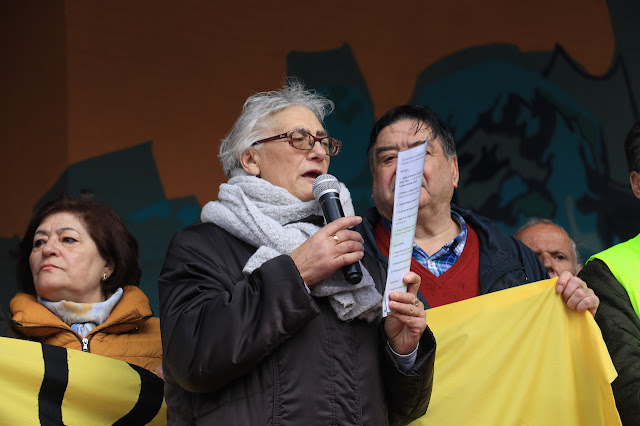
(620, 328)
(259, 350)
(504, 261)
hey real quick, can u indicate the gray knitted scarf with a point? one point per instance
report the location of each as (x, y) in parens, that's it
(268, 217)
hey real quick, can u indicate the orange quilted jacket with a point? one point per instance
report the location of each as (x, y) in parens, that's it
(130, 333)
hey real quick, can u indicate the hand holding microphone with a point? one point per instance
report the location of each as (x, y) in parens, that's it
(332, 247)
(326, 189)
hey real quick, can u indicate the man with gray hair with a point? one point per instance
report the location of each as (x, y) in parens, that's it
(614, 276)
(552, 244)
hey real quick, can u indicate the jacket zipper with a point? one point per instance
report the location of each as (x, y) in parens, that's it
(83, 340)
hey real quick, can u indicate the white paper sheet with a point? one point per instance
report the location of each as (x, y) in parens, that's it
(409, 171)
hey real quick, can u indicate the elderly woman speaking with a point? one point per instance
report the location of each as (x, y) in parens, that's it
(253, 330)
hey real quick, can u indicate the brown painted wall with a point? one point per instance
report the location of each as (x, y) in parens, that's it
(33, 106)
(83, 78)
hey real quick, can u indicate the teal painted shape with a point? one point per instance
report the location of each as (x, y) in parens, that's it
(335, 74)
(526, 145)
(127, 179)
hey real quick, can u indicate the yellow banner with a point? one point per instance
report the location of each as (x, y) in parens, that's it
(519, 357)
(43, 384)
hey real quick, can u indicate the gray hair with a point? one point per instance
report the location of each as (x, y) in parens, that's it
(253, 121)
(537, 220)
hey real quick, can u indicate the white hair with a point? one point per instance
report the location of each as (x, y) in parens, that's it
(253, 120)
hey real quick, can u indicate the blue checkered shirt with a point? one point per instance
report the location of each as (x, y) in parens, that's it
(444, 258)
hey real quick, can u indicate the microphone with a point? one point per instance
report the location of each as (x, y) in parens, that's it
(326, 189)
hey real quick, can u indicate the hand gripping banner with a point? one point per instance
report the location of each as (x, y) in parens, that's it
(519, 357)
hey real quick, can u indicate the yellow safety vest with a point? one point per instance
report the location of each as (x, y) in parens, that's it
(623, 261)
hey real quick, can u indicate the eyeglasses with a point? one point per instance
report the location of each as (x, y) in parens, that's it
(300, 139)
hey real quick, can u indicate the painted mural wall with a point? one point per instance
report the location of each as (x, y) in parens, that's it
(131, 99)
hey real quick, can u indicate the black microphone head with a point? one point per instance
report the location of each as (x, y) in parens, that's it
(325, 183)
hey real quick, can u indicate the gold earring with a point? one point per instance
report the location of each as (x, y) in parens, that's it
(105, 276)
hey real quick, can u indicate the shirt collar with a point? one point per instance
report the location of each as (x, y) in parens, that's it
(457, 244)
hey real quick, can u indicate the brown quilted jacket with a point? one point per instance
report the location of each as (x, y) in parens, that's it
(130, 333)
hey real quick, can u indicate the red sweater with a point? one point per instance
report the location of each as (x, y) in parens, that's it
(459, 282)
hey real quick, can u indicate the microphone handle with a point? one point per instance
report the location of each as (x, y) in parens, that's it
(352, 273)
(332, 209)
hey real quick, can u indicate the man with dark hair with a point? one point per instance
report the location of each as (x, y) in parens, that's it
(552, 244)
(458, 253)
(614, 275)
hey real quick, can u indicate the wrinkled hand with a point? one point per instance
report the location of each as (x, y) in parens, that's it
(321, 255)
(406, 323)
(577, 295)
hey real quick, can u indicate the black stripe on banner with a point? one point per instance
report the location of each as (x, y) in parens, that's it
(54, 384)
(149, 400)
